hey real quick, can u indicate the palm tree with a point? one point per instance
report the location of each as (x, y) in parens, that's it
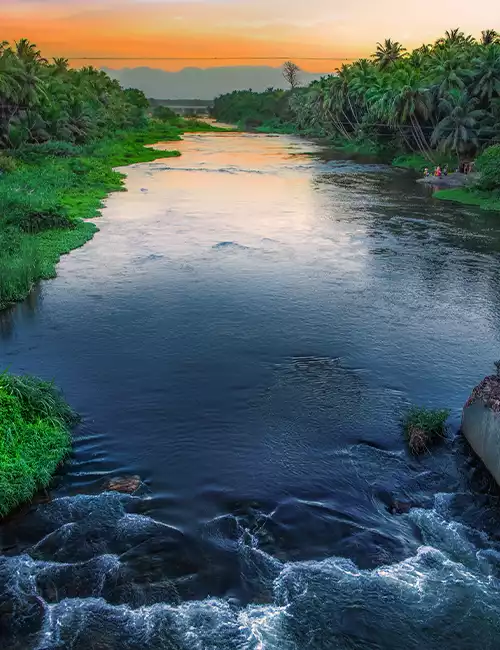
(449, 70)
(457, 132)
(61, 65)
(411, 101)
(28, 52)
(388, 52)
(487, 73)
(489, 37)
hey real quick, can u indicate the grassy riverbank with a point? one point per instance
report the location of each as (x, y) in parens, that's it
(481, 199)
(52, 188)
(35, 437)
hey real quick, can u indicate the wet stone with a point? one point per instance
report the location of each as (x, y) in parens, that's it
(123, 484)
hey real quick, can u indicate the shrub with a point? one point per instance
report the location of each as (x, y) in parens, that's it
(7, 164)
(165, 114)
(34, 212)
(55, 148)
(488, 164)
(424, 427)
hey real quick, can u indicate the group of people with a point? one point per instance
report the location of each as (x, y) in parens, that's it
(464, 168)
(438, 171)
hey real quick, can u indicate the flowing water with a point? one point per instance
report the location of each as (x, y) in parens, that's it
(244, 334)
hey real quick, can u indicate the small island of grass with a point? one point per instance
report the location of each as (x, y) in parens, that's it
(424, 427)
(35, 437)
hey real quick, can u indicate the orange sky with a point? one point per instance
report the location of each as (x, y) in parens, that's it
(233, 28)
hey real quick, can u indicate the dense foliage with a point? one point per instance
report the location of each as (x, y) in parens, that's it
(34, 437)
(443, 97)
(250, 109)
(42, 101)
(488, 165)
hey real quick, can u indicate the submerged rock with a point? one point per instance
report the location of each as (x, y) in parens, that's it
(400, 507)
(454, 180)
(124, 484)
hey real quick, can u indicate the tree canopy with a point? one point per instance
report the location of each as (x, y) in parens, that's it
(43, 100)
(443, 96)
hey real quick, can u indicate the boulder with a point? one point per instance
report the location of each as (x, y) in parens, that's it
(481, 423)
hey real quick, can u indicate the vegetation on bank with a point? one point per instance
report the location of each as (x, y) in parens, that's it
(35, 437)
(62, 132)
(424, 427)
(440, 102)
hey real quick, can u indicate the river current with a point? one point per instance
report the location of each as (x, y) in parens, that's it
(244, 333)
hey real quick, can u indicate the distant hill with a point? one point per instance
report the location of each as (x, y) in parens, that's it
(202, 83)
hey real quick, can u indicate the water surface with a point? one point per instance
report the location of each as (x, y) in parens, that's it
(244, 333)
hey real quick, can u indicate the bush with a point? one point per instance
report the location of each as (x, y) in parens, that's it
(34, 437)
(7, 164)
(165, 114)
(55, 148)
(33, 212)
(488, 164)
(424, 427)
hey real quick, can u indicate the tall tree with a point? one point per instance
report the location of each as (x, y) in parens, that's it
(489, 37)
(458, 131)
(388, 53)
(291, 72)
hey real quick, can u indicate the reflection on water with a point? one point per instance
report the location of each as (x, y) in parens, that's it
(244, 333)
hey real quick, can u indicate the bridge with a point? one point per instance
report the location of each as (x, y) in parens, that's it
(185, 107)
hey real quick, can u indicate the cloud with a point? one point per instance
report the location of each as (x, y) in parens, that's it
(208, 28)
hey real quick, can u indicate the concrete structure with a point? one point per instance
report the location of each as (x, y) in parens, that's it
(481, 423)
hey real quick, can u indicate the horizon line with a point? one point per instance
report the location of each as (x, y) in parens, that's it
(205, 58)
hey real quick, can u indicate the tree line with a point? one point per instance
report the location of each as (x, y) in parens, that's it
(440, 97)
(42, 101)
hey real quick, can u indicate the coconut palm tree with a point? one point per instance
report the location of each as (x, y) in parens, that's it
(489, 37)
(28, 52)
(411, 102)
(449, 70)
(388, 52)
(458, 131)
(487, 73)
(61, 65)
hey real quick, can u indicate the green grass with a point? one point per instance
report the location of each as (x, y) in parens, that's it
(480, 198)
(418, 162)
(35, 437)
(413, 161)
(52, 187)
(424, 427)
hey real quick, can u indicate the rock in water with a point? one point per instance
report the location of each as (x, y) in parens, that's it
(481, 423)
(125, 484)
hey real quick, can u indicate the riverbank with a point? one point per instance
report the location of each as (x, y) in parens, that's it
(455, 187)
(51, 190)
(35, 437)
(45, 201)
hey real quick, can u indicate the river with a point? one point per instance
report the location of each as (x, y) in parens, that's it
(244, 333)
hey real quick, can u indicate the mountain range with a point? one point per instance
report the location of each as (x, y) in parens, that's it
(202, 83)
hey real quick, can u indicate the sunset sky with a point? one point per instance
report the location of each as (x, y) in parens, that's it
(233, 28)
